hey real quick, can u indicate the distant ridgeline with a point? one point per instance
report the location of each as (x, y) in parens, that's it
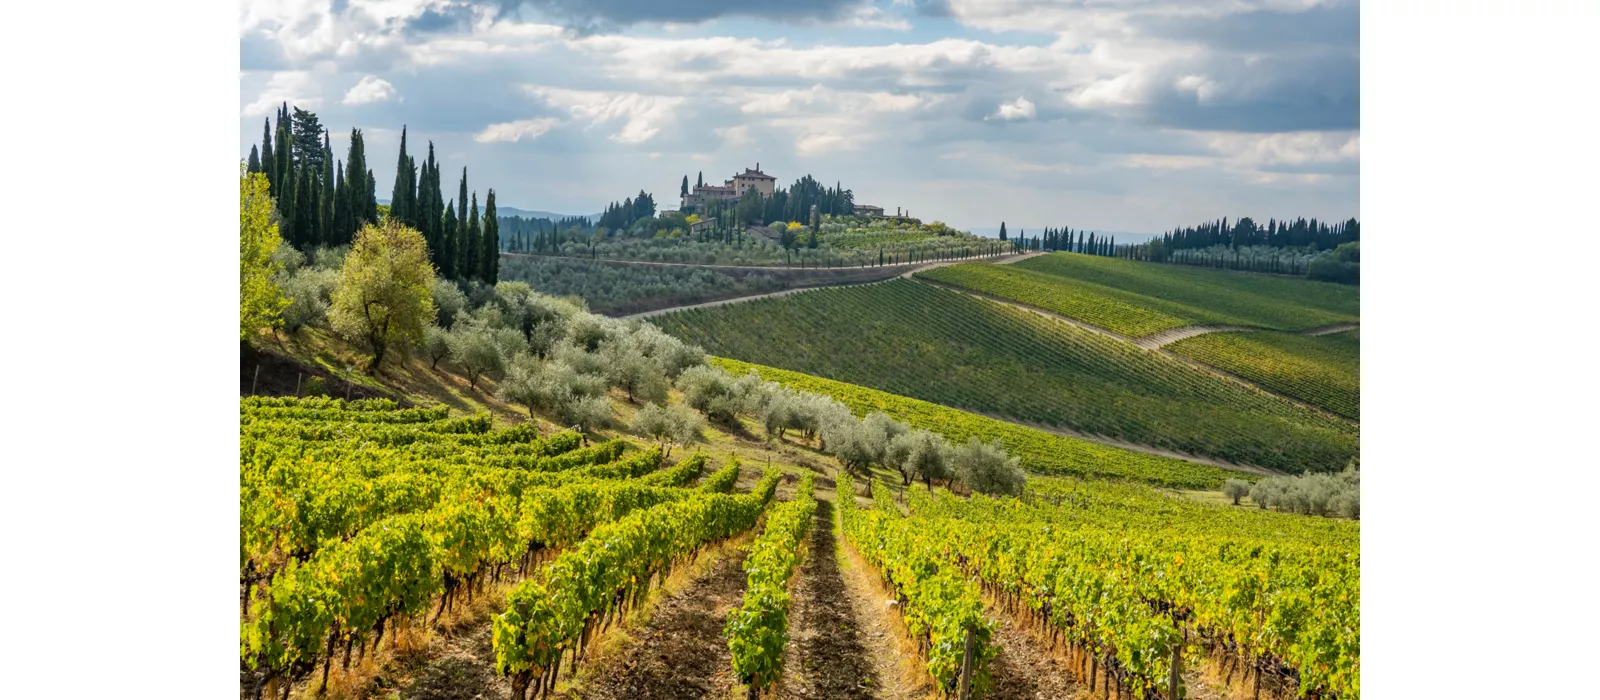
(1281, 247)
(323, 202)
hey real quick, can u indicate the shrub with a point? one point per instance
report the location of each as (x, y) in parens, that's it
(309, 291)
(314, 386)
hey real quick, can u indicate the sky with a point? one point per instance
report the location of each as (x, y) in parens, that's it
(1120, 115)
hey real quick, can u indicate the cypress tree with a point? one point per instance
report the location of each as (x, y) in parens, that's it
(399, 198)
(447, 243)
(307, 142)
(463, 265)
(372, 196)
(700, 179)
(253, 164)
(491, 240)
(268, 161)
(341, 205)
(1002, 230)
(325, 219)
(684, 190)
(284, 167)
(474, 261)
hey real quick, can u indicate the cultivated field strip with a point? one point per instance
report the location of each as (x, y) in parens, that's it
(1322, 370)
(1213, 296)
(953, 349)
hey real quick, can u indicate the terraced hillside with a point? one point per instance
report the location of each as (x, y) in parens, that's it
(947, 347)
(1322, 370)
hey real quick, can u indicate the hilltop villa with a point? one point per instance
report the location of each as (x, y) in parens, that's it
(733, 189)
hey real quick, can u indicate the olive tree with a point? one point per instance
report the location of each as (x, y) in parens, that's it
(310, 293)
(987, 469)
(1235, 489)
(715, 393)
(919, 454)
(480, 347)
(448, 301)
(668, 425)
(435, 345)
(385, 291)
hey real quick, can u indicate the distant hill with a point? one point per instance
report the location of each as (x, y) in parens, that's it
(526, 213)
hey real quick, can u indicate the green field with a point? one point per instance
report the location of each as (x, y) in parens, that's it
(1041, 452)
(949, 348)
(1127, 313)
(1205, 296)
(1322, 370)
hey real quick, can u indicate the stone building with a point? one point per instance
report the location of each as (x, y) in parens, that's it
(732, 190)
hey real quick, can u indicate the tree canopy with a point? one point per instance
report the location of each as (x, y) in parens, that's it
(385, 292)
(260, 301)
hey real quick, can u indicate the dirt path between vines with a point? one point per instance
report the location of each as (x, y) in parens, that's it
(680, 653)
(825, 657)
(1025, 669)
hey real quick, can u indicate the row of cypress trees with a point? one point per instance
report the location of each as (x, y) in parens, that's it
(320, 201)
(1063, 239)
(324, 202)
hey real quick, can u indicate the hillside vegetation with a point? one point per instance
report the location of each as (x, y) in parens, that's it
(1041, 452)
(1322, 370)
(1212, 296)
(950, 348)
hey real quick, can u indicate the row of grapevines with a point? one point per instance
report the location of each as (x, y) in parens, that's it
(553, 614)
(339, 415)
(1041, 452)
(941, 608)
(290, 505)
(377, 433)
(396, 566)
(1256, 594)
(317, 402)
(759, 629)
(723, 480)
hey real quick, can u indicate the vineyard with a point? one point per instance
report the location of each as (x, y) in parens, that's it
(952, 349)
(360, 518)
(1133, 583)
(1322, 370)
(1041, 452)
(1115, 310)
(1277, 303)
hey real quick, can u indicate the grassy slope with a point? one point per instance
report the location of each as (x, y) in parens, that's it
(1277, 303)
(1322, 370)
(1041, 452)
(949, 348)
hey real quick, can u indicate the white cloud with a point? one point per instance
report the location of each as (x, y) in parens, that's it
(512, 132)
(1019, 108)
(370, 89)
(822, 142)
(294, 87)
(734, 135)
(643, 115)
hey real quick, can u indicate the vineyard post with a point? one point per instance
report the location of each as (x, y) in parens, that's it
(297, 378)
(1174, 675)
(257, 378)
(966, 668)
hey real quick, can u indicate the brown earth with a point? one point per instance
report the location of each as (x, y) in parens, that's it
(825, 657)
(680, 651)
